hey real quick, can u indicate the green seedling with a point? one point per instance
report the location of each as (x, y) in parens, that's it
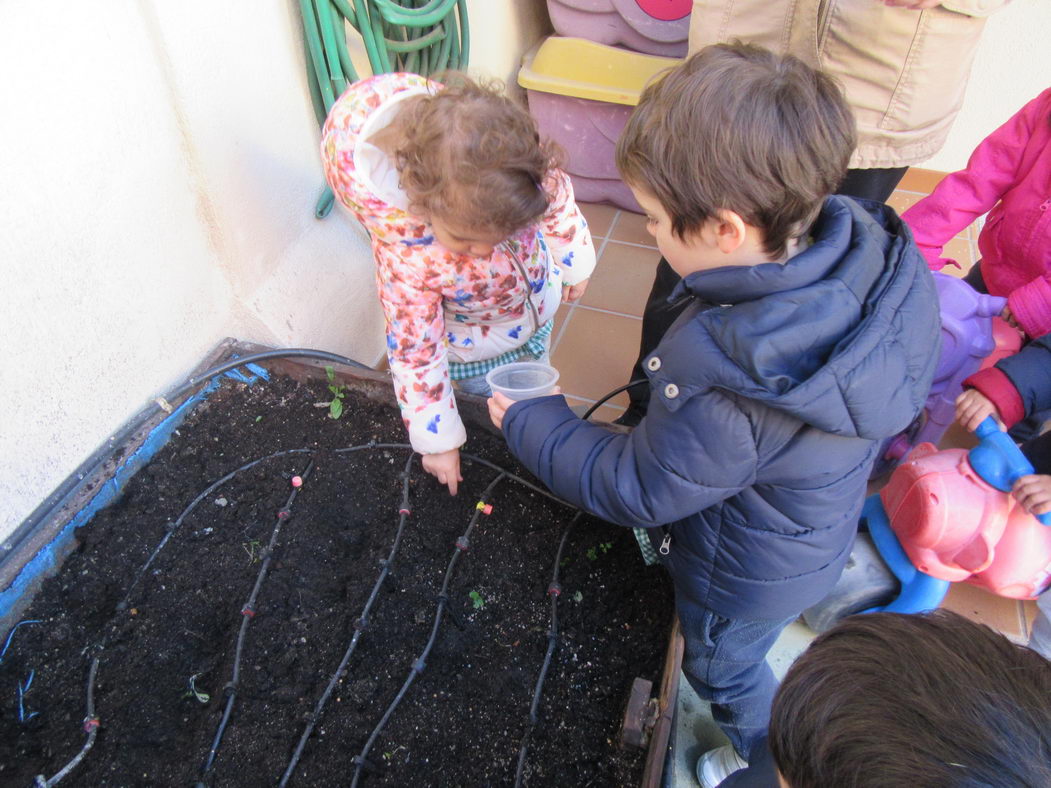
(592, 552)
(193, 692)
(335, 405)
(477, 600)
(578, 597)
(252, 549)
(258, 419)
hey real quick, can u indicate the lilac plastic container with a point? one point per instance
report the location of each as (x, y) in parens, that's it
(967, 338)
(656, 27)
(588, 131)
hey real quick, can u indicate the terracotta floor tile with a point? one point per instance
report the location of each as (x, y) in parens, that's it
(1005, 615)
(918, 179)
(962, 252)
(606, 412)
(902, 200)
(631, 228)
(596, 352)
(622, 279)
(599, 217)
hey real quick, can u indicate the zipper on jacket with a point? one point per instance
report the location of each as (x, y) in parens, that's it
(529, 287)
(665, 547)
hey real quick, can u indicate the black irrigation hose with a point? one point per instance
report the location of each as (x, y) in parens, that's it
(611, 395)
(247, 613)
(91, 727)
(359, 627)
(226, 366)
(553, 591)
(91, 721)
(462, 544)
(123, 604)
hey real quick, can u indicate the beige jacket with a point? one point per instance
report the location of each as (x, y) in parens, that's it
(904, 71)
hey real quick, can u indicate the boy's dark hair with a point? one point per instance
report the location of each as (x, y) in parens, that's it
(897, 701)
(473, 155)
(738, 128)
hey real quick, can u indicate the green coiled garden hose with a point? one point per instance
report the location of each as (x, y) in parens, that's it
(421, 36)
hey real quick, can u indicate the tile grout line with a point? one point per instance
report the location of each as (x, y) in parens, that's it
(598, 256)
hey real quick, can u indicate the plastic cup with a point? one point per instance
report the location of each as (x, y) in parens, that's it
(522, 379)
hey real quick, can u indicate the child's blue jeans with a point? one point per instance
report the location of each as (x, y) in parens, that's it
(725, 663)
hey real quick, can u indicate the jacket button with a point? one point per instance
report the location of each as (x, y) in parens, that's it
(653, 364)
(671, 391)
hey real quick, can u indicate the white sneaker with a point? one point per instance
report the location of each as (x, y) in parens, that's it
(716, 765)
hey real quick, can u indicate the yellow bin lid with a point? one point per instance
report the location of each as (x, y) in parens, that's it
(584, 69)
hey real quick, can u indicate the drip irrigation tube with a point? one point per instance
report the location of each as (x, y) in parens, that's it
(360, 760)
(359, 627)
(247, 614)
(553, 591)
(598, 403)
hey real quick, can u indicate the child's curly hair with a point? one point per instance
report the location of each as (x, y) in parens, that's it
(472, 155)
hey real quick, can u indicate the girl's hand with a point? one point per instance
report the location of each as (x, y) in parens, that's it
(972, 407)
(1009, 316)
(445, 467)
(571, 293)
(1033, 493)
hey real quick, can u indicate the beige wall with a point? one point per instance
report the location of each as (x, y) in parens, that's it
(160, 171)
(1013, 65)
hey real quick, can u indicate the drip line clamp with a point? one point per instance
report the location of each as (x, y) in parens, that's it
(247, 611)
(283, 514)
(483, 507)
(360, 623)
(405, 510)
(90, 724)
(554, 589)
(418, 665)
(462, 543)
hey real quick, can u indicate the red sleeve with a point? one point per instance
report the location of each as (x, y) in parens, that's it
(995, 385)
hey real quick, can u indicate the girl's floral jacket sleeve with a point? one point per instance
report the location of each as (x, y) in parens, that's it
(418, 352)
(565, 231)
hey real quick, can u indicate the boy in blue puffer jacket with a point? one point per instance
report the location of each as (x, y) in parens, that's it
(813, 335)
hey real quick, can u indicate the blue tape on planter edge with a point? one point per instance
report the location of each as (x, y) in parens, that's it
(44, 561)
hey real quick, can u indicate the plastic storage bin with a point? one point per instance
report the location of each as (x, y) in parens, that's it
(581, 94)
(656, 27)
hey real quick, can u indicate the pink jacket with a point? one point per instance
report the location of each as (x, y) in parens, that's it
(1010, 173)
(439, 305)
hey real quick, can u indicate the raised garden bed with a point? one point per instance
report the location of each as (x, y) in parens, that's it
(217, 660)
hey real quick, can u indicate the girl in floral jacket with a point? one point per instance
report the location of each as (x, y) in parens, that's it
(1009, 173)
(475, 234)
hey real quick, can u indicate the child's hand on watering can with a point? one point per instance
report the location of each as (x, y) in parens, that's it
(972, 407)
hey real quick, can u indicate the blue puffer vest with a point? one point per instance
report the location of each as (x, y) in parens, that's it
(766, 415)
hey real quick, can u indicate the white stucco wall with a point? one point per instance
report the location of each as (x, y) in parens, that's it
(1013, 64)
(160, 172)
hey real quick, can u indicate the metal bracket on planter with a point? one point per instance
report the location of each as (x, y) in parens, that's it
(919, 591)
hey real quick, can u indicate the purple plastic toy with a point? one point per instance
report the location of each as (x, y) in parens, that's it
(967, 338)
(656, 27)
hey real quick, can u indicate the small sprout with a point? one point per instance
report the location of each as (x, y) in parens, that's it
(251, 548)
(606, 546)
(592, 553)
(578, 597)
(477, 600)
(335, 405)
(564, 561)
(258, 419)
(193, 692)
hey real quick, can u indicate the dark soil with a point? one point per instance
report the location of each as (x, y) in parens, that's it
(461, 722)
